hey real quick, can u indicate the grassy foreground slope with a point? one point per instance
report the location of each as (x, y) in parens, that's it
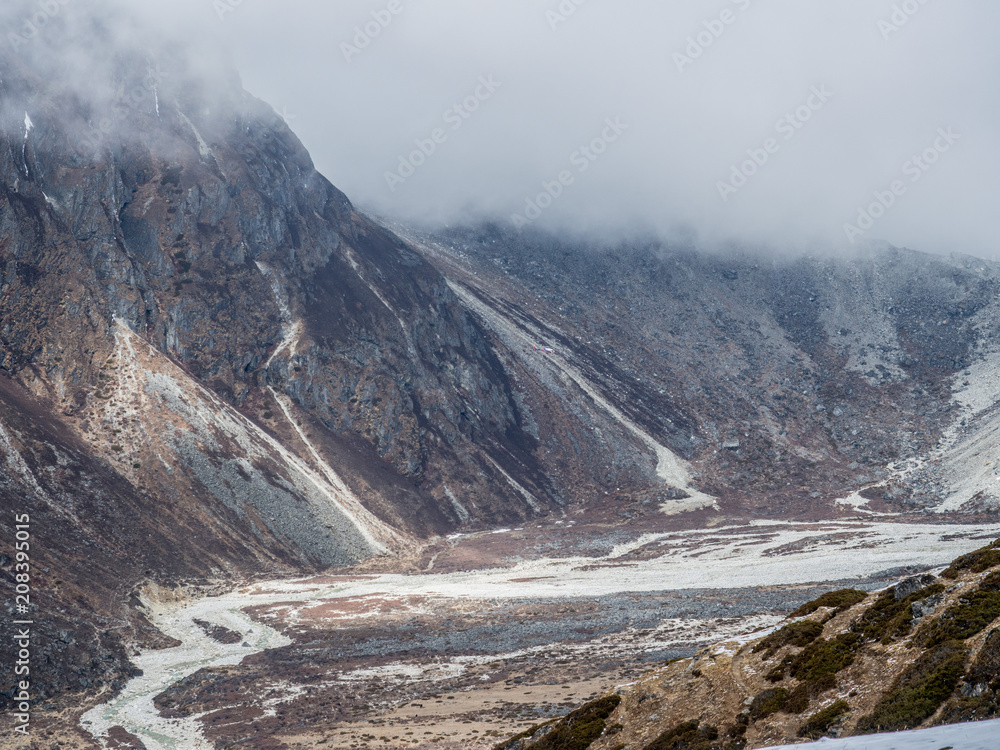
(921, 653)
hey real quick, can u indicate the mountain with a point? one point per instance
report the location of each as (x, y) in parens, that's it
(787, 383)
(212, 365)
(924, 652)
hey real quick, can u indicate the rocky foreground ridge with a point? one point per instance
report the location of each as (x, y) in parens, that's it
(921, 653)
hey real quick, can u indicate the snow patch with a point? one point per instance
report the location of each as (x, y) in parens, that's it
(855, 501)
(203, 148)
(528, 497)
(291, 329)
(977, 735)
(349, 254)
(380, 536)
(969, 452)
(460, 510)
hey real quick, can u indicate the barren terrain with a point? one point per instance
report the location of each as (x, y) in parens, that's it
(494, 639)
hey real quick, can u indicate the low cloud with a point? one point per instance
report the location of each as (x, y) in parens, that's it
(714, 94)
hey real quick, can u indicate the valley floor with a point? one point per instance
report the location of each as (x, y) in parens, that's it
(484, 635)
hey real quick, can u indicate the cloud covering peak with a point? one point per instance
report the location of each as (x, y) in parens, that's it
(787, 123)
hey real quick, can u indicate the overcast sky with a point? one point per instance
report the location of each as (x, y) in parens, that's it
(818, 106)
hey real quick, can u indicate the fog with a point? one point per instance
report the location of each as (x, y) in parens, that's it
(794, 124)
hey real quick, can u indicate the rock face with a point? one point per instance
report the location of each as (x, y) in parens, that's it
(211, 365)
(786, 382)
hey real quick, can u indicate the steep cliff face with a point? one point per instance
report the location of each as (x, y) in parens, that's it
(209, 235)
(212, 365)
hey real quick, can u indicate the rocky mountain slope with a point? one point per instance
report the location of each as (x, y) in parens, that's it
(211, 365)
(921, 653)
(787, 383)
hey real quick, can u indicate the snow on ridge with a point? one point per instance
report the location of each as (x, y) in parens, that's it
(976, 735)
(203, 148)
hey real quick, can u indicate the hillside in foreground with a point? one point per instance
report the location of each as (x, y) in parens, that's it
(924, 652)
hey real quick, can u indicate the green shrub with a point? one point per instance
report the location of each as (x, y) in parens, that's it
(888, 619)
(824, 657)
(798, 700)
(986, 668)
(841, 601)
(817, 725)
(523, 735)
(794, 634)
(776, 675)
(767, 703)
(967, 618)
(919, 691)
(579, 729)
(738, 729)
(984, 675)
(689, 735)
(981, 560)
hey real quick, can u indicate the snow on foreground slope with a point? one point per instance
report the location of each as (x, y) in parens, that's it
(980, 735)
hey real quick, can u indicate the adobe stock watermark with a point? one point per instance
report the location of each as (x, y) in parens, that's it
(901, 15)
(366, 33)
(22, 626)
(915, 168)
(787, 126)
(224, 7)
(454, 117)
(713, 29)
(563, 12)
(33, 25)
(581, 159)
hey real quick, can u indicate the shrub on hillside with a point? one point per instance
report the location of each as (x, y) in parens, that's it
(889, 619)
(979, 561)
(578, 730)
(794, 634)
(967, 618)
(820, 722)
(840, 601)
(919, 691)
